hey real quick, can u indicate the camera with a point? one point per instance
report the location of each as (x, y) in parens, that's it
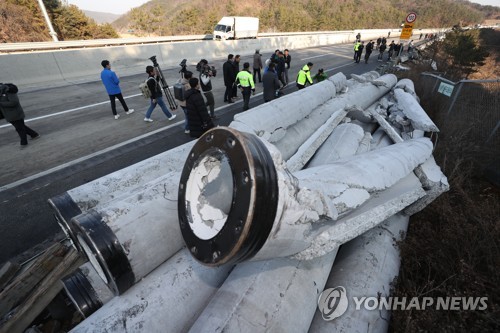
(183, 66)
(210, 71)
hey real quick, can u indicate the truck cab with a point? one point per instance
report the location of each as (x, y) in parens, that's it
(236, 27)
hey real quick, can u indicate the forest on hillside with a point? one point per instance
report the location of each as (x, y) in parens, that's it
(22, 20)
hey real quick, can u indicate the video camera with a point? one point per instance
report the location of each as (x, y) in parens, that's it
(183, 66)
(204, 68)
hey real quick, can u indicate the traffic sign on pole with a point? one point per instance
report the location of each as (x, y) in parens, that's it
(407, 30)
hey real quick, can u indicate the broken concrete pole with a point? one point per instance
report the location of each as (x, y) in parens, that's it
(276, 295)
(86, 290)
(263, 211)
(289, 130)
(344, 141)
(167, 300)
(128, 238)
(113, 186)
(364, 267)
(414, 112)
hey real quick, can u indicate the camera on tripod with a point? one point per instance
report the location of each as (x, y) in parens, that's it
(183, 66)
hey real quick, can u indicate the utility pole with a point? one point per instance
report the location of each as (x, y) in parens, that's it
(47, 19)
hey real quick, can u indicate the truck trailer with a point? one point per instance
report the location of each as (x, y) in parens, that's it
(236, 27)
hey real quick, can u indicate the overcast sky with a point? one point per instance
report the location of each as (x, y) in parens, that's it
(123, 6)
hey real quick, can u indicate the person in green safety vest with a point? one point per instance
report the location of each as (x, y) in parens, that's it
(356, 48)
(244, 81)
(304, 76)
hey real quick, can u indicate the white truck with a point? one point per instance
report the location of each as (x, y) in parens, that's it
(236, 27)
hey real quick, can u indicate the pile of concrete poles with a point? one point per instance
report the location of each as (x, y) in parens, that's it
(263, 207)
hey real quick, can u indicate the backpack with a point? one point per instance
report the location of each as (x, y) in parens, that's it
(180, 92)
(143, 87)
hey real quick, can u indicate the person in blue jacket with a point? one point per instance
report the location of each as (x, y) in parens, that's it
(112, 85)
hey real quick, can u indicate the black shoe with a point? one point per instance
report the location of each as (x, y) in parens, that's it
(230, 101)
(35, 137)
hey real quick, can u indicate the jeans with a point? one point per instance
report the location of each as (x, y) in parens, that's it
(210, 102)
(113, 104)
(23, 131)
(246, 97)
(186, 124)
(228, 94)
(256, 71)
(161, 103)
(285, 77)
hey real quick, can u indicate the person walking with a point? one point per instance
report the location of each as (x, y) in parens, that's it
(198, 118)
(206, 87)
(280, 67)
(288, 60)
(356, 48)
(270, 83)
(12, 111)
(236, 66)
(244, 81)
(392, 48)
(368, 50)
(359, 52)
(381, 50)
(112, 84)
(156, 96)
(184, 80)
(257, 66)
(228, 73)
(304, 76)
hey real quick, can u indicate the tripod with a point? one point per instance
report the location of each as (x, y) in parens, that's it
(164, 85)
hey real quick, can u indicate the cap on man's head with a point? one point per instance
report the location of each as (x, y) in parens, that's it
(309, 64)
(104, 63)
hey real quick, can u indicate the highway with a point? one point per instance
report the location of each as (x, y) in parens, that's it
(81, 141)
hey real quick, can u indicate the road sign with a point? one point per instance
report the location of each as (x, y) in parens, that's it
(407, 30)
(410, 18)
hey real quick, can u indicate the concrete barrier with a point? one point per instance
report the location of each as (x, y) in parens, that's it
(60, 67)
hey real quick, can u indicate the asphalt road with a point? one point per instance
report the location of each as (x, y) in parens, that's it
(81, 141)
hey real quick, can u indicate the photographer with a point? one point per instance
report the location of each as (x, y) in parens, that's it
(206, 72)
(11, 110)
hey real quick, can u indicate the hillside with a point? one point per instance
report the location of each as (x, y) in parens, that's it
(100, 17)
(168, 17)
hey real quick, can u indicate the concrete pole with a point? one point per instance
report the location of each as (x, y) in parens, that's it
(128, 238)
(167, 300)
(47, 20)
(277, 294)
(114, 186)
(86, 290)
(272, 213)
(365, 267)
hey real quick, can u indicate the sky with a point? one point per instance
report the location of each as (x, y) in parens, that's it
(123, 6)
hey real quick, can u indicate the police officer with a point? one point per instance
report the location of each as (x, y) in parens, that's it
(244, 80)
(304, 76)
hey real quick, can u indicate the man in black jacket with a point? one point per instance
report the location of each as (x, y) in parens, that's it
(197, 113)
(229, 75)
(11, 110)
(270, 83)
